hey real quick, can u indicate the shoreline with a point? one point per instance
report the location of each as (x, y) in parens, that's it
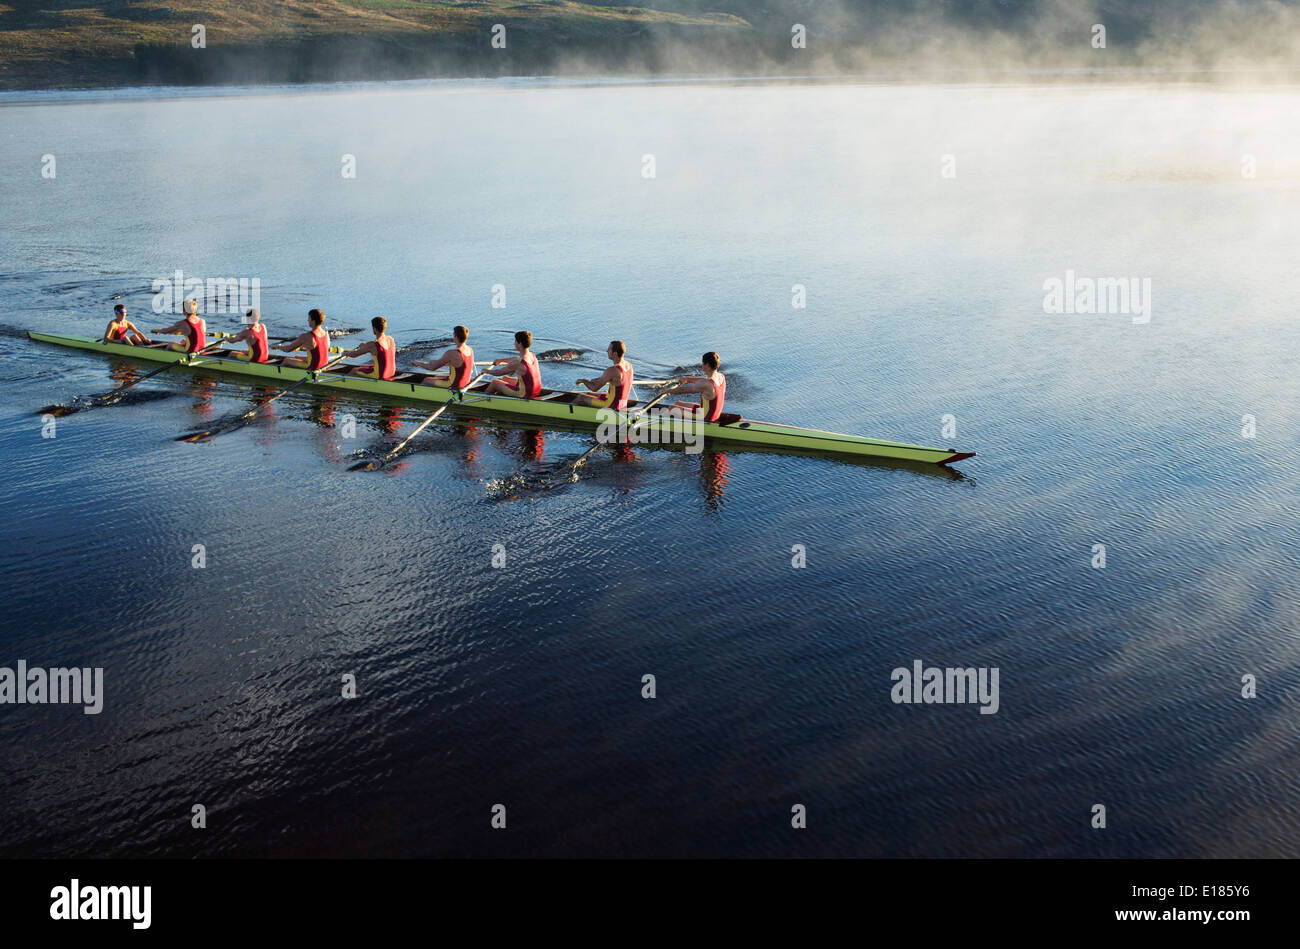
(119, 45)
(1005, 76)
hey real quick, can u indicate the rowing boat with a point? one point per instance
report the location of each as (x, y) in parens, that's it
(551, 406)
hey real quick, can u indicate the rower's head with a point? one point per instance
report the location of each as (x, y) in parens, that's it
(523, 339)
(119, 312)
(379, 325)
(254, 316)
(190, 307)
(616, 350)
(316, 318)
(461, 334)
(710, 362)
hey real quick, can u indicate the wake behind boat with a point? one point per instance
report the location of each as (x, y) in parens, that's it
(549, 405)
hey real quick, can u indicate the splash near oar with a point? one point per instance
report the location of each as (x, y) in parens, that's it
(560, 355)
(376, 465)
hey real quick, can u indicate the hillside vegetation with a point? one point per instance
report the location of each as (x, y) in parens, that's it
(73, 43)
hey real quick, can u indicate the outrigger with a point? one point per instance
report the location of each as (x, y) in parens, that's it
(550, 405)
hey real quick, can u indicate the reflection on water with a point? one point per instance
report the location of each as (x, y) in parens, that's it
(202, 391)
(389, 420)
(714, 468)
(123, 373)
(499, 647)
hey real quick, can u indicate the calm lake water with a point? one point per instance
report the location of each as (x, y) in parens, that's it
(923, 223)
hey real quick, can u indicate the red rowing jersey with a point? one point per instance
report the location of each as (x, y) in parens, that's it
(712, 409)
(530, 377)
(624, 390)
(257, 343)
(194, 334)
(461, 377)
(320, 348)
(385, 357)
(118, 331)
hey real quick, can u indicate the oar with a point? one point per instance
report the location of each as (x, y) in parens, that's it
(375, 465)
(108, 398)
(239, 422)
(635, 415)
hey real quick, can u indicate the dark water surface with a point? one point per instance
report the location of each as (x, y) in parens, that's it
(521, 684)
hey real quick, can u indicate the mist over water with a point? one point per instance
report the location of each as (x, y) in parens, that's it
(923, 223)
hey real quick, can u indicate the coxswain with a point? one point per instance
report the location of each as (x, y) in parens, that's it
(121, 330)
(711, 387)
(315, 341)
(382, 349)
(616, 381)
(254, 334)
(193, 328)
(458, 361)
(527, 381)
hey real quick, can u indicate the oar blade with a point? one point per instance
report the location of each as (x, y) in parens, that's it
(59, 411)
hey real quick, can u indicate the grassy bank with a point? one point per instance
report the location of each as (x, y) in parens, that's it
(95, 43)
(56, 43)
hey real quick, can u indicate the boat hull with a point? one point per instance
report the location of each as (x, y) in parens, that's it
(408, 388)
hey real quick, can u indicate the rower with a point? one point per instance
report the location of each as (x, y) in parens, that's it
(315, 341)
(616, 380)
(712, 389)
(528, 383)
(121, 330)
(382, 349)
(193, 328)
(254, 334)
(459, 362)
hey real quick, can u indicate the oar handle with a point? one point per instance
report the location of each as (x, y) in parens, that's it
(667, 387)
(278, 339)
(329, 365)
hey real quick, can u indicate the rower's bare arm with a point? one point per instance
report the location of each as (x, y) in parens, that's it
(604, 379)
(173, 329)
(300, 343)
(435, 364)
(504, 366)
(364, 349)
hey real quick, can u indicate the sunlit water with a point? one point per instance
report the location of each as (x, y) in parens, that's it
(522, 684)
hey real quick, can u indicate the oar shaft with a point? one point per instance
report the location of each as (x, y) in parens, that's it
(635, 415)
(153, 372)
(289, 388)
(239, 421)
(425, 424)
(276, 339)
